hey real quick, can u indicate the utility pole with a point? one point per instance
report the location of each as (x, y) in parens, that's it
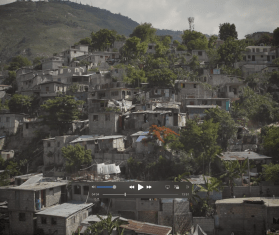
(249, 177)
(173, 217)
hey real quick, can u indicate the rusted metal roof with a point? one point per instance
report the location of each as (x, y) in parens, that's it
(147, 228)
(241, 156)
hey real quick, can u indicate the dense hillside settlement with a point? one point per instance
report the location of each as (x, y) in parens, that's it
(112, 108)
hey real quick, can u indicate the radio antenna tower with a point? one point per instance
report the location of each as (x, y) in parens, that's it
(191, 23)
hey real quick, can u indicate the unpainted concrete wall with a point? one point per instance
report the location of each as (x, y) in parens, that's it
(21, 227)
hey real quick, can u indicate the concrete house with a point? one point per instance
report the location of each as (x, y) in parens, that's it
(188, 89)
(73, 52)
(7, 154)
(258, 55)
(10, 123)
(201, 54)
(52, 63)
(151, 48)
(52, 89)
(25, 200)
(246, 215)
(52, 149)
(222, 103)
(198, 110)
(99, 144)
(63, 219)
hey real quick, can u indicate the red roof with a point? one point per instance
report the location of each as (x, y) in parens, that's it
(147, 228)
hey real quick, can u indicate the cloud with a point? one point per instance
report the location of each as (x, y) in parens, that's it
(248, 16)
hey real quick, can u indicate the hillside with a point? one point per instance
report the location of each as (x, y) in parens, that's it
(41, 29)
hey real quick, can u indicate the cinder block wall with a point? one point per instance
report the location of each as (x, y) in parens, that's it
(21, 227)
(242, 219)
(48, 228)
(148, 216)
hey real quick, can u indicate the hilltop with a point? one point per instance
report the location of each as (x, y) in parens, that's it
(42, 28)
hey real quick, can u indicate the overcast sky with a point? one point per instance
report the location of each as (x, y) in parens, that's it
(248, 15)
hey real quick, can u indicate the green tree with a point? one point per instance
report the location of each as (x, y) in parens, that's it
(135, 76)
(226, 31)
(194, 63)
(201, 142)
(106, 225)
(60, 112)
(211, 184)
(234, 170)
(227, 127)
(20, 103)
(212, 42)
(85, 41)
(181, 47)
(271, 172)
(145, 32)
(134, 48)
(11, 80)
(194, 40)
(103, 39)
(265, 39)
(258, 108)
(161, 77)
(75, 157)
(10, 168)
(271, 143)
(18, 62)
(276, 36)
(231, 51)
(276, 61)
(213, 58)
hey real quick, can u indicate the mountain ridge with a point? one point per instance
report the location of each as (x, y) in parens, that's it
(36, 29)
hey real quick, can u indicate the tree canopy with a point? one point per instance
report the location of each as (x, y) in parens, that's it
(194, 40)
(226, 31)
(19, 62)
(145, 32)
(200, 140)
(75, 157)
(227, 127)
(271, 143)
(133, 48)
(102, 39)
(231, 51)
(60, 112)
(271, 172)
(134, 76)
(20, 103)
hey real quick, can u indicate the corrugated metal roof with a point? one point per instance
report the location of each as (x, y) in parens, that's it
(33, 179)
(95, 218)
(95, 137)
(139, 133)
(141, 138)
(170, 200)
(270, 202)
(65, 210)
(241, 156)
(40, 186)
(201, 106)
(150, 111)
(197, 179)
(147, 228)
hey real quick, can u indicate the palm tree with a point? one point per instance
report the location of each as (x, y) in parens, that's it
(234, 170)
(180, 177)
(106, 225)
(211, 184)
